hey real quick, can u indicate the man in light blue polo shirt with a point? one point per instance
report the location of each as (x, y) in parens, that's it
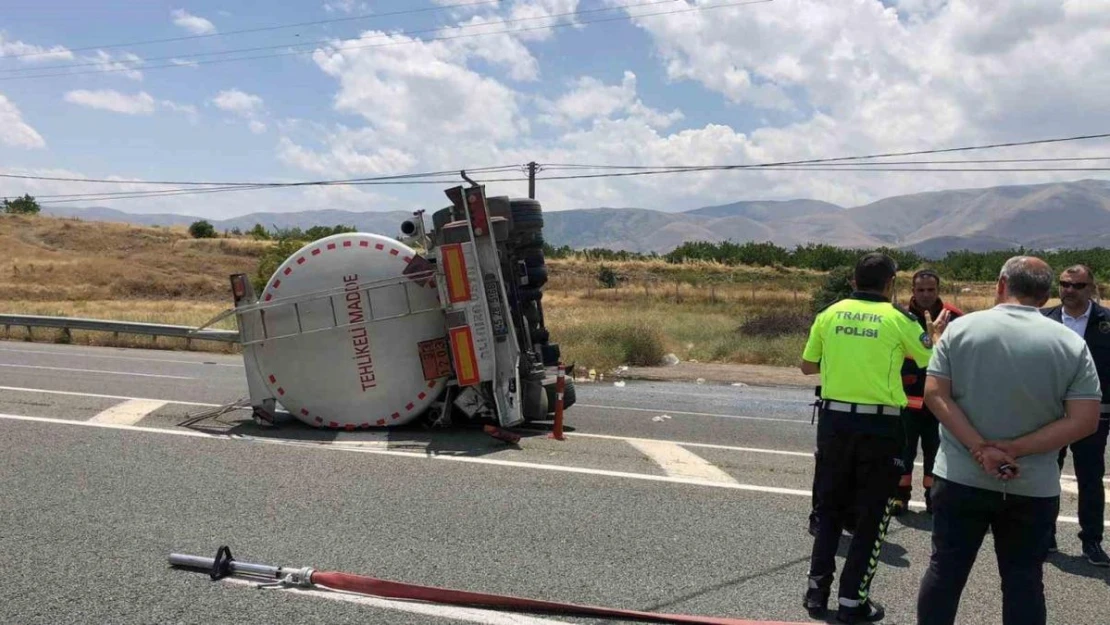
(1010, 387)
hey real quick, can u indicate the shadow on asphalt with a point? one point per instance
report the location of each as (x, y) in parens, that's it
(891, 555)
(456, 440)
(1077, 565)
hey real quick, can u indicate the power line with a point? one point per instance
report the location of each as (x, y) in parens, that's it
(679, 168)
(323, 42)
(452, 172)
(931, 162)
(410, 42)
(262, 29)
(831, 164)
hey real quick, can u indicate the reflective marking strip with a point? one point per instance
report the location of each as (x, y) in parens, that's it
(916, 403)
(454, 267)
(462, 348)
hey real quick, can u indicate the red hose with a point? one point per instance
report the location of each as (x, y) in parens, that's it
(397, 590)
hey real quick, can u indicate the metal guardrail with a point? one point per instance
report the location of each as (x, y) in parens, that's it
(118, 327)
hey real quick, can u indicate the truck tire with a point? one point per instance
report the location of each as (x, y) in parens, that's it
(534, 402)
(551, 354)
(568, 396)
(537, 277)
(527, 216)
(532, 258)
(441, 218)
(530, 241)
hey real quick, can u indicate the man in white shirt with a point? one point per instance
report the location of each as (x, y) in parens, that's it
(1079, 312)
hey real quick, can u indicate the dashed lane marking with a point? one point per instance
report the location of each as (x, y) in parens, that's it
(680, 462)
(129, 412)
(100, 371)
(20, 389)
(86, 354)
(452, 458)
(696, 414)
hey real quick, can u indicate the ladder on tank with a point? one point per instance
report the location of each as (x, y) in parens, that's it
(252, 317)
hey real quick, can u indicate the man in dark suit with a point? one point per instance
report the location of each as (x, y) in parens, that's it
(1079, 311)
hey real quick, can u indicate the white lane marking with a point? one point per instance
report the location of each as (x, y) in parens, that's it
(473, 615)
(467, 459)
(129, 412)
(20, 389)
(754, 450)
(695, 414)
(680, 462)
(757, 450)
(84, 354)
(141, 375)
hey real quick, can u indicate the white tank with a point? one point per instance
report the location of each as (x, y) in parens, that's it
(365, 355)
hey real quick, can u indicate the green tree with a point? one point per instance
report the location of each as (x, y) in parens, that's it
(836, 286)
(26, 205)
(607, 277)
(202, 230)
(259, 233)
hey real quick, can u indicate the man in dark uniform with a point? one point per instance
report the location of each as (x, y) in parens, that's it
(1088, 319)
(857, 345)
(919, 421)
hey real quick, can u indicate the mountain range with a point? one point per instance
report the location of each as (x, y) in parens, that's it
(1040, 216)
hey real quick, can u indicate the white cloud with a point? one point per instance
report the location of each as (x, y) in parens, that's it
(592, 99)
(13, 130)
(141, 103)
(192, 23)
(123, 64)
(29, 53)
(346, 6)
(257, 127)
(111, 100)
(184, 63)
(238, 102)
(188, 110)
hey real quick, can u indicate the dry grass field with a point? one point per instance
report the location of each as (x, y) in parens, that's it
(696, 311)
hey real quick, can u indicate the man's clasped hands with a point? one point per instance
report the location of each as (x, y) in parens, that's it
(997, 458)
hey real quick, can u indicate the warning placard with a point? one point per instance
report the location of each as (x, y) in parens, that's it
(435, 358)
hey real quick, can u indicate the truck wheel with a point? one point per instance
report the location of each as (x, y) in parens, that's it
(551, 354)
(531, 241)
(532, 258)
(537, 277)
(534, 405)
(568, 396)
(527, 216)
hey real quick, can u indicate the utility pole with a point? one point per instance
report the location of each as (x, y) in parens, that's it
(532, 180)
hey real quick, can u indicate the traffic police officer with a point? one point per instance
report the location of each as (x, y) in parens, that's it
(857, 345)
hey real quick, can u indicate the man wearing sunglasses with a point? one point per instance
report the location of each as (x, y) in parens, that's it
(1080, 312)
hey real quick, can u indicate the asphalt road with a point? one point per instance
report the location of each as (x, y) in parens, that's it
(665, 497)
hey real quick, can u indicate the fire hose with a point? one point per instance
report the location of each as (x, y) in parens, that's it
(224, 565)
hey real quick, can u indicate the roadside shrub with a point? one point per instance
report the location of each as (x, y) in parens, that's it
(778, 323)
(836, 286)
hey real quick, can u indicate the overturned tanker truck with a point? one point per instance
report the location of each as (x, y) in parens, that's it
(360, 330)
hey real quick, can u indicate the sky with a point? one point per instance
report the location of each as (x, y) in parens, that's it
(340, 89)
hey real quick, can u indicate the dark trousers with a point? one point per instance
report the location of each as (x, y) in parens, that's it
(858, 465)
(1089, 458)
(1022, 529)
(919, 425)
